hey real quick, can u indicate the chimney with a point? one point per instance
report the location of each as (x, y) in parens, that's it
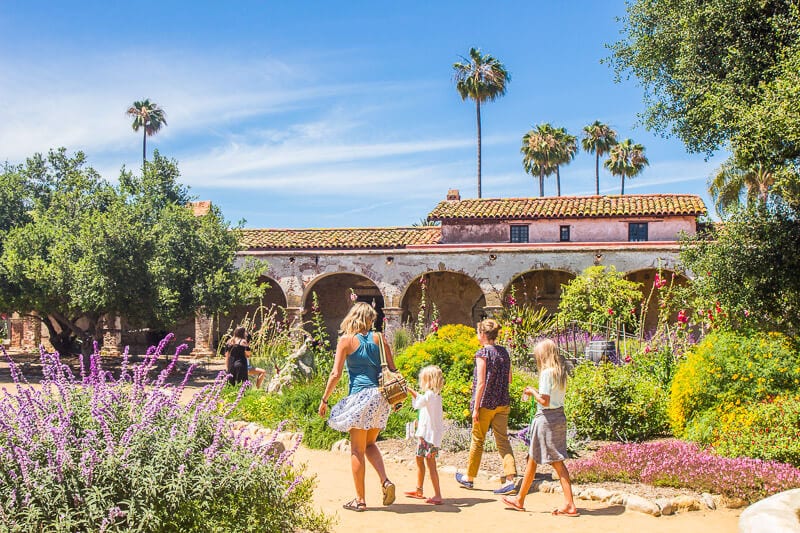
(453, 195)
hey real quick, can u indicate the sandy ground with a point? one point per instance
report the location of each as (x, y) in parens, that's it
(479, 510)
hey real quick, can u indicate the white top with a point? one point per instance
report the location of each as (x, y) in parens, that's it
(431, 417)
(547, 386)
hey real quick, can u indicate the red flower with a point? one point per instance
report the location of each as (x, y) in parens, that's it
(682, 318)
(647, 349)
(717, 307)
(659, 282)
(628, 359)
(610, 311)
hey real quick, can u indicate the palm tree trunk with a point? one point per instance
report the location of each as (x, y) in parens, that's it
(597, 174)
(622, 187)
(558, 181)
(541, 182)
(144, 147)
(478, 111)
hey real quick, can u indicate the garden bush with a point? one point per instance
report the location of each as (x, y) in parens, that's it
(99, 454)
(612, 402)
(453, 348)
(767, 430)
(672, 463)
(731, 368)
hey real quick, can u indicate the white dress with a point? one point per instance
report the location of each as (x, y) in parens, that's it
(431, 417)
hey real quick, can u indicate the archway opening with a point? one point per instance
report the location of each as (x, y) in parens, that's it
(270, 306)
(647, 279)
(539, 288)
(458, 299)
(336, 294)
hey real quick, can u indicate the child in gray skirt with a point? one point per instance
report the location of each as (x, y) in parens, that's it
(548, 431)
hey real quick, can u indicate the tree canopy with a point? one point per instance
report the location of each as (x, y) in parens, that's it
(720, 74)
(81, 248)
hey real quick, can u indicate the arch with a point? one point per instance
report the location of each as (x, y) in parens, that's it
(646, 276)
(273, 301)
(334, 294)
(539, 288)
(458, 297)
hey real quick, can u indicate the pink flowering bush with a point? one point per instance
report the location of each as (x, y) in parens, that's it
(673, 463)
(95, 453)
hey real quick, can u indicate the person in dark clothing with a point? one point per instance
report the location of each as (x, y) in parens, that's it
(237, 350)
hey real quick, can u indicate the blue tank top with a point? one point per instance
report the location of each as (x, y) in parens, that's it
(363, 365)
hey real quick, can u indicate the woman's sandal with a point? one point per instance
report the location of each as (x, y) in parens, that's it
(559, 512)
(416, 494)
(512, 504)
(388, 492)
(355, 505)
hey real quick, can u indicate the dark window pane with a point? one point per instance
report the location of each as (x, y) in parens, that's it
(519, 233)
(637, 231)
(564, 233)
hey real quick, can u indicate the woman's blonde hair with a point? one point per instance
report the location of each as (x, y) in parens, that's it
(431, 378)
(548, 356)
(489, 327)
(361, 317)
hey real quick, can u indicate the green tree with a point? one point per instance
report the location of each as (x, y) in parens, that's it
(626, 160)
(598, 297)
(598, 138)
(540, 151)
(566, 147)
(720, 73)
(481, 78)
(150, 118)
(91, 250)
(749, 265)
(731, 181)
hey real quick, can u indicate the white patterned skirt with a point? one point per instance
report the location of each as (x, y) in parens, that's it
(366, 409)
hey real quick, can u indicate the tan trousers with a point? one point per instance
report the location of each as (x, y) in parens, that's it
(497, 419)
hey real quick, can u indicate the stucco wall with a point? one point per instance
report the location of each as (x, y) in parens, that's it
(581, 230)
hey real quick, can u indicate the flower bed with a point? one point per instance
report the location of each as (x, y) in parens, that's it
(673, 463)
(96, 453)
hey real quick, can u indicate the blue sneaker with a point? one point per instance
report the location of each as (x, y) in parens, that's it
(507, 489)
(461, 479)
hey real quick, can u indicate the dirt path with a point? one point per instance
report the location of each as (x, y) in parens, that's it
(479, 510)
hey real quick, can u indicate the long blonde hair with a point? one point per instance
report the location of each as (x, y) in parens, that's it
(431, 378)
(548, 356)
(361, 317)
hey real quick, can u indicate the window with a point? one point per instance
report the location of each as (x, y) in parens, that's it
(519, 233)
(564, 233)
(637, 231)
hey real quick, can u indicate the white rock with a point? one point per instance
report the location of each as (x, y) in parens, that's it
(686, 503)
(708, 499)
(619, 498)
(600, 494)
(642, 505)
(665, 504)
(341, 446)
(779, 513)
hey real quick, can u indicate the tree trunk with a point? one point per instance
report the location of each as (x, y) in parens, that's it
(541, 182)
(144, 147)
(622, 187)
(558, 181)
(597, 173)
(478, 111)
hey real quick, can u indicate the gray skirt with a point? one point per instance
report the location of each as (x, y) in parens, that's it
(549, 436)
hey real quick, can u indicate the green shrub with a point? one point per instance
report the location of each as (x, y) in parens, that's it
(768, 430)
(615, 403)
(731, 368)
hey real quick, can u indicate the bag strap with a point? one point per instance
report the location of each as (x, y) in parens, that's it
(384, 365)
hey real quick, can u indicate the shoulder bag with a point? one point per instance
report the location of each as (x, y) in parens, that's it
(392, 385)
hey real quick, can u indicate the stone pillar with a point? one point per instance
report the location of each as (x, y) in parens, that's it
(112, 335)
(203, 335)
(294, 317)
(16, 329)
(393, 320)
(32, 333)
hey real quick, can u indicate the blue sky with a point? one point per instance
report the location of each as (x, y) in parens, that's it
(323, 114)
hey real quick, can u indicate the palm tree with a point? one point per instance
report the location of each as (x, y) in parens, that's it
(626, 160)
(148, 116)
(540, 153)
(567, 147)
(731, 180)
(481, 78)
(598, 138)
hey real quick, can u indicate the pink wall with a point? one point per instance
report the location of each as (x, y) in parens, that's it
(581, 229)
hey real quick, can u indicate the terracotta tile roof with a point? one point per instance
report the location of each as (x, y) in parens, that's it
(200, 208)
(338, 238)
(570, 207)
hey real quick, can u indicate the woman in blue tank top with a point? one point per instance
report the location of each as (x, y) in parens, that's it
(364, 411)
